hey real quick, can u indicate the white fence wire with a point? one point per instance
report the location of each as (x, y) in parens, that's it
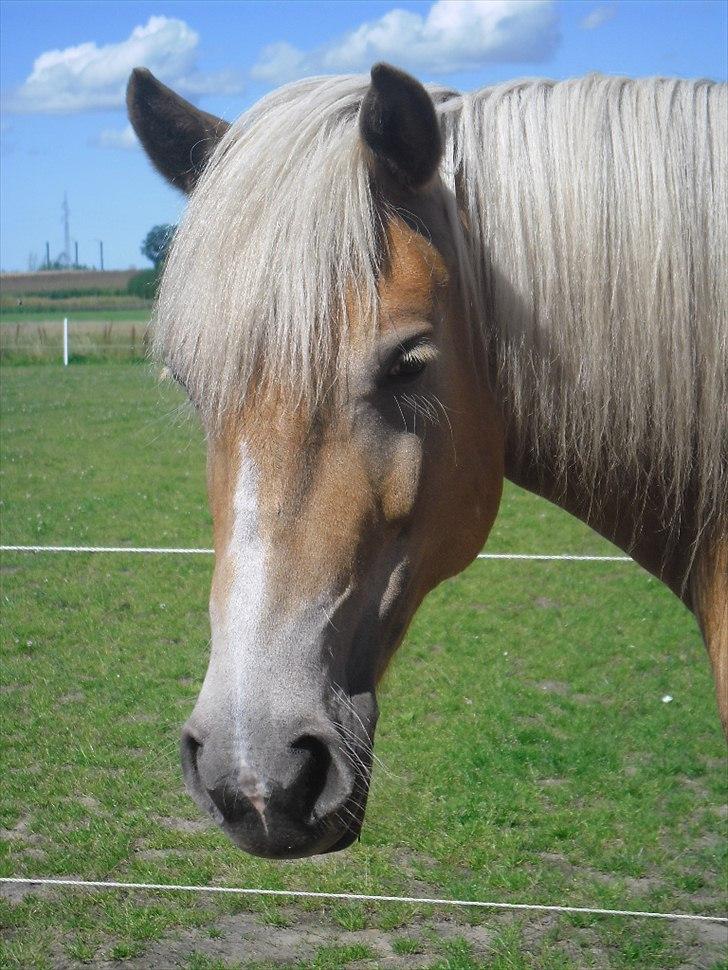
(182, 551)
(356, 897)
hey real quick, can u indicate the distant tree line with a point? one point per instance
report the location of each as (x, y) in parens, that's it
(154, 247)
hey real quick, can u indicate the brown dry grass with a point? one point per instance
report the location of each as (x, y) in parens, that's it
(53, 280)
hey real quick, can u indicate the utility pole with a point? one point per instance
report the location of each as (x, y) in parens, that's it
(48, 256)
(101, 255)
(75, 258)
(66, 230)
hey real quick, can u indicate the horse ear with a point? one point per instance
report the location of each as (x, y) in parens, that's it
(178, 138)
(398, 124)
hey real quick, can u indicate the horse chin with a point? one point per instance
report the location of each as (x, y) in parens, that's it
(292, 846)
(345, 841)
(287, 839)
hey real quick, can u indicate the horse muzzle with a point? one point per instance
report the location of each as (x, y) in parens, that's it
(302, 794)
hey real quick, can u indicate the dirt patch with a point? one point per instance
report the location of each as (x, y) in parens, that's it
(561, 689)
(189, 826)
(140, 718)
(694, 785)
(557, 687)
(11, 688)
(20, 832)
(410, 860)
(708, 840)
(584, 698)
(34, 853)
(157, 855)
(637, 885)
(245, 939)
(544, 603)
(16, 892)
(582, 943)
(714, 764)
(706, 944)
(74, 697)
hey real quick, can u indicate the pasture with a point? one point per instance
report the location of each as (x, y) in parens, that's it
(50, 281)
(527, 754)
(109, 328)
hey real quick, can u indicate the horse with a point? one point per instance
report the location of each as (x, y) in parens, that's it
(382, 299)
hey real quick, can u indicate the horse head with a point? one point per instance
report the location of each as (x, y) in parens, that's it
(355, 460)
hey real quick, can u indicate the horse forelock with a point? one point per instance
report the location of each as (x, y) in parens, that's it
(276, 254)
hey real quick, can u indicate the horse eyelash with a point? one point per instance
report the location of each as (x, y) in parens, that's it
(421, 353)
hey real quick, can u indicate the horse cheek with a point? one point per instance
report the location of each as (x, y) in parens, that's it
(402, 483)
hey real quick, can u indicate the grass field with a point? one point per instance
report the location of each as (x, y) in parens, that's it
(528, 755)
(55, 280)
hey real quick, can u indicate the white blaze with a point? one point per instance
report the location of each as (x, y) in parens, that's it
(236, 621)
(267, 671)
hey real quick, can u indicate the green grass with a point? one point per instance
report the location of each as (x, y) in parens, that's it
(43, 309)
(527, 753)
(95, 315)
(404, 945)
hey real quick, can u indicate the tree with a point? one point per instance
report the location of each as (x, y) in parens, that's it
(156, 243)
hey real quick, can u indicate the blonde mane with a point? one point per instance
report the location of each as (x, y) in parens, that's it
(597, 234)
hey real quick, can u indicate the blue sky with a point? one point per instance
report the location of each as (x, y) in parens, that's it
(63, 66)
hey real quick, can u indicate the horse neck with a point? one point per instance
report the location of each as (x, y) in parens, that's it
(592, 253)
(621, 509)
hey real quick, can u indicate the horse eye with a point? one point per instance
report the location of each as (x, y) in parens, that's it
(411, 362)
(406, 367)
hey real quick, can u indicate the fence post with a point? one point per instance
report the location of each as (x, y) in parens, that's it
(65, 341)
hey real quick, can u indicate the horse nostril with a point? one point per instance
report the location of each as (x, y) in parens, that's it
(231, 802)
(316, 764)
(190, 749)
(325, 781)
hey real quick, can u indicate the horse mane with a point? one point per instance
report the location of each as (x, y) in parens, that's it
(595, 257)
(598, 226)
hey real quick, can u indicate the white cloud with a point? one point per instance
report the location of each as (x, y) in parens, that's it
(223, 82)
(280, 62)
(598, 16)
(455, 35)
(123, 138)
(90, 76)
